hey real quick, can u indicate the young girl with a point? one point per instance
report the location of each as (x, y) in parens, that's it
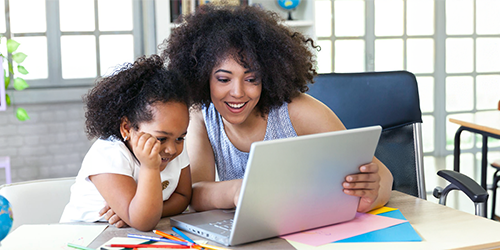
(137, 171)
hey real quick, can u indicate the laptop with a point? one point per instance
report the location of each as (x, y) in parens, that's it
(290, 185)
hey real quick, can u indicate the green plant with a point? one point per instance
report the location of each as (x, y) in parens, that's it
(14, 60)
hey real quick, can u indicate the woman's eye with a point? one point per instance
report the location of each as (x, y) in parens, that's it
(180, 139)
(161, 139)
(223, 80)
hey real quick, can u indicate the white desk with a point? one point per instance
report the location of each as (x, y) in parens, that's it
(439, 226)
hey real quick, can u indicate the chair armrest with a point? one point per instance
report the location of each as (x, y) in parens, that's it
(467, 185)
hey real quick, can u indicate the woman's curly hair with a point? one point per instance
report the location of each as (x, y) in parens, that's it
(255, 38)
(129, 92)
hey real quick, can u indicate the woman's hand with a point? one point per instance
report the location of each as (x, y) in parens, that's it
(365, 184)
(111, 217)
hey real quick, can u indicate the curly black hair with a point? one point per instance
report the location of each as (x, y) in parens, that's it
(255, 38)
(129, 92)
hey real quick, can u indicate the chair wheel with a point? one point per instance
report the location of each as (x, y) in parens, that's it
(437, 192)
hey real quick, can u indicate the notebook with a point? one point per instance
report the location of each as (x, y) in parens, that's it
(290, 185)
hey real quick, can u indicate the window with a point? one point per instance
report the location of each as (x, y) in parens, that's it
(70, 43)
(452, 46)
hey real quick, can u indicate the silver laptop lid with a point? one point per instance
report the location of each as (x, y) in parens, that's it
(295, 184)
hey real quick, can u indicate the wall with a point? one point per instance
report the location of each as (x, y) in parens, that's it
(51, 144)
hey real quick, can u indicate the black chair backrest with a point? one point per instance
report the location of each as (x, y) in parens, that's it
(389, 99)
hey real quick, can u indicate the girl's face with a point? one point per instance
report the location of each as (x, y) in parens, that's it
(234, 90)
(169, 126)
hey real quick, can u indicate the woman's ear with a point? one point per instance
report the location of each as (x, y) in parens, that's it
(125, 128)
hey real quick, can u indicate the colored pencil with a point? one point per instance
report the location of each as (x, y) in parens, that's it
(168, 236)
(213, 247)
(182, 235)
(79, 247)
(137, 236)
(148, 246)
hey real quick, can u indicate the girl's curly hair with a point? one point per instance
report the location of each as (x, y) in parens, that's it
(129, 92)
(255, 38)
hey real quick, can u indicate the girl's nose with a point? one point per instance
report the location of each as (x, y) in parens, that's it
(170, 148)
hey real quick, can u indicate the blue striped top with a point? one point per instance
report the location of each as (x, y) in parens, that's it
(230, 161)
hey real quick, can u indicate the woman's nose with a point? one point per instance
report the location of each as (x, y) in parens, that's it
(237, 89)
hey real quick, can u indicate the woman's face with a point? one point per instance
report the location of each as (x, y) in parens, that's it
(234, 90)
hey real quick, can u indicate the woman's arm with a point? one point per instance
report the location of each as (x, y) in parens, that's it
(139, 204)
(207, 194)
(180, 198)
(374, 182)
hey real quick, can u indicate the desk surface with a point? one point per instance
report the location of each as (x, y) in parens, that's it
(439, 226)
(484, 121)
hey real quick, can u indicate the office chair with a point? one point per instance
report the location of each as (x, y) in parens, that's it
(391, 100)
(39, 201)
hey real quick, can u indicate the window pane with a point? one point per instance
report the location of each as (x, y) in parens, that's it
(349, 56)
(428, 133)
(2, 17)
(115, 50)
(431, 178)
(426, 93)
(388, 54)
(488, 54)
(459, 93)
(27, 16)
(77, 15)
(349, 18)
(420, 17)
(459, 55)
(35, 47)
(389, 17)
(487, 18)
(323, 18)
(451, 129)
(115, 15)
(420, 55)
(459, 17)
(78, 57)
(325, 56)
(487, 91)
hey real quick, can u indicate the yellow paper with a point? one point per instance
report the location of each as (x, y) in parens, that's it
(382, 210)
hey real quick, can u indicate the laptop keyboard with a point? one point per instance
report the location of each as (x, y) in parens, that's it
(223, 224)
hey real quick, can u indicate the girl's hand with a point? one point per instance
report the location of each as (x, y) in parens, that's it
(111, 217)
(365, 185)
(147, 149)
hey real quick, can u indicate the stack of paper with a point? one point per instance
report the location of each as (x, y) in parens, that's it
(381, 225)
(51, 236)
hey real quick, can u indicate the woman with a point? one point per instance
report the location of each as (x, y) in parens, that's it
(249, 74)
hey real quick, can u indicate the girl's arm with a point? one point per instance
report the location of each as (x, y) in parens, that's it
(180, 198)
(139, 204)
(374, 182)
(207, 194)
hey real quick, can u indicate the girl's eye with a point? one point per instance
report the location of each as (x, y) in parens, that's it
(161, 139)
(180, 139)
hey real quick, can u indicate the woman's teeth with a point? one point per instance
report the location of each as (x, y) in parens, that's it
(236, 106)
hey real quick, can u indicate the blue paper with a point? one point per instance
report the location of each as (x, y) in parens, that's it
(398, 233)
